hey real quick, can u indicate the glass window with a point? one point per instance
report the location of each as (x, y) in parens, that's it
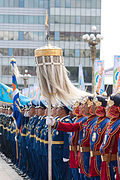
(10, 35)
(98, 20)
(35, 4)
(67, 3)
(72, 52)
(12, 3)
(82, 5)
(1, 19)
(98, 4)
(5, 35)
(15, 35)
(21, 35)
(51, 19)
(88, 3)
(62, 3)
(21, 19)
(10, 51)
(16, 3)
(93, 20)
(67, 19)
(11, 19)
(78, 5)
(72, 19)
(77, 52)
(62, 19)
(41, 36)
(77, 36)
(1, 51)
(87, 20)
(67, 36)
(57, 19)
(35, 36)
(16, 19)
(30, 19)
(87, 72)
(21, 3)
(30, 3)
(57, 3)
(72, 36)
(46, 4)
(35, 19)
(62, 36)
(41, 20)
(5, 18)
(77, 19)
(1, 3)
(82, 19)
(6, 3)
(57, 36)
(73, 73)
(73, 3)
(41, 3)
(67, 53)
(93, 3)
(5, 52)
(26, 19)
(26, 2)
(1, 35)
(31, 36)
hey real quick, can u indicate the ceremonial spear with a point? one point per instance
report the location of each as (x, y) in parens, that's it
(54, 82)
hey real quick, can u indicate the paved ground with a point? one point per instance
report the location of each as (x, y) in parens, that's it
(7, 173)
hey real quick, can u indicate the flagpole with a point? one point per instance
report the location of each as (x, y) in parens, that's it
(49, 114)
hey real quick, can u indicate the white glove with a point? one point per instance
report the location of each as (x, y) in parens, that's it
(15, 138)
(65, 160)
(50, 121)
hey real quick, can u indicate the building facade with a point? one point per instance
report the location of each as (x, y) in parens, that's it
(22, 30)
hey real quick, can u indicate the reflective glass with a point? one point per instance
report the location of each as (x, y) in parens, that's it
(21, 3)
(57, 3)
(82, 3)
(26, 2)
(41, 36)
(35, 36)
(5, 52)
(15, 35)
(5, 35)
(10, 35)
(11, 19)
(72, 52)
(72, 36)
(1, 3)
(30, 4)
(30, 19)
(41, 3)
(73, 73)
(21, 19)
(26, 19)
(41, 20)
(5, 18)
(62, 19)
(67, 19)
(57, 19)
(35, 4)
(77, 52)
(66, 52)
(12, 3)
(6, 3)
(35, 19)
(57, 36)
(1, 18)
(77, 19)
(87, 72)
(1, 35)
(67, 3)
(16, 21)
(62, 36)
(16, 3)
(21, 35)
(10, 51)
(46, 4)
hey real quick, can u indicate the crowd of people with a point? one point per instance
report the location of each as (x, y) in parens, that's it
(85, 139)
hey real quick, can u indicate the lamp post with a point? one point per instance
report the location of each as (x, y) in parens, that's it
(25, 77)
(93, 40)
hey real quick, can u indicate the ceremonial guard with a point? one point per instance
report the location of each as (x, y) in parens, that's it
(60, 146)
(109, 147)
(85, 143)
(97, 133)
(73, 140)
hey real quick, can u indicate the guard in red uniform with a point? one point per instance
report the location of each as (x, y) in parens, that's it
(109, 147)
(85, 142)
(97, 133)
(75, 140)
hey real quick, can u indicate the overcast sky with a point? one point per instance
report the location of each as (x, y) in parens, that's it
(110, 29)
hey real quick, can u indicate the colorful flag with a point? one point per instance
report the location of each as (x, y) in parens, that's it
(116, 74)
(81, 84)
(99, 76)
